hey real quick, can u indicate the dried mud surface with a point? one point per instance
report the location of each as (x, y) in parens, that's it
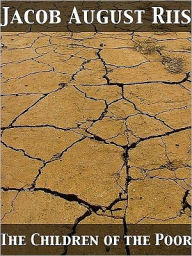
(94, 130)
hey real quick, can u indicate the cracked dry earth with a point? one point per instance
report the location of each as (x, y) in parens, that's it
(95, 130)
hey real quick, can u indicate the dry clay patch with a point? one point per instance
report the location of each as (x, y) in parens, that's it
(95, 129)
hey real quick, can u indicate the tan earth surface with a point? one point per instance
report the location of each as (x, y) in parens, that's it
(96, 128)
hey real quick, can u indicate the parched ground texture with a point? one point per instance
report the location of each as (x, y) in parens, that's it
(96, 128)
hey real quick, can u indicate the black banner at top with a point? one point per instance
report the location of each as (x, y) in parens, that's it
(95, 16)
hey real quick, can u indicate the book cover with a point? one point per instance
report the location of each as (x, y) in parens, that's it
(95, 125)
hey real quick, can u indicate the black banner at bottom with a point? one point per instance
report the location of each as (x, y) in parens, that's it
(96, 239)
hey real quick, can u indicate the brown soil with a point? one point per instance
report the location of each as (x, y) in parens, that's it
(96, 124)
